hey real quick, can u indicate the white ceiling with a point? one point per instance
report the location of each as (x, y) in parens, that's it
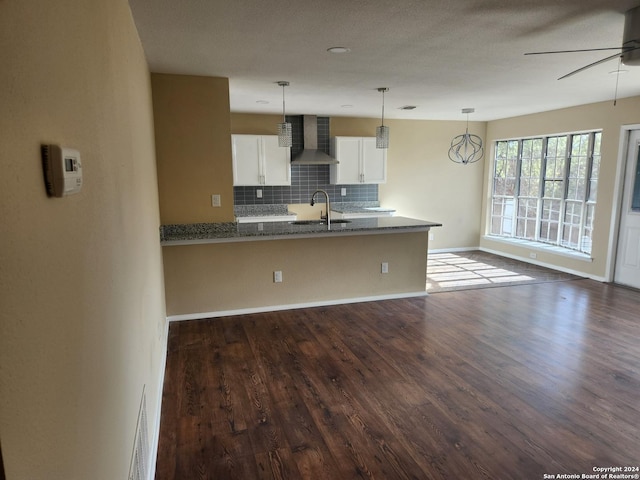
(439, 55)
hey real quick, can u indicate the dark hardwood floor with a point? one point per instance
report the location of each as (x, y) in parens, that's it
(501, 383)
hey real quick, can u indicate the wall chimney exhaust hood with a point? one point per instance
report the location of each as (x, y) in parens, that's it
(310, 155)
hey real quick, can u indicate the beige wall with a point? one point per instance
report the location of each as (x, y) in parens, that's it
(603, 116)
(82, 322)
(423, 183)
(421, 180)
(234, 276)
(193, 144)
(250, 124)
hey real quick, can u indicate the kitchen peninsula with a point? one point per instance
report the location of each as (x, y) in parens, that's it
(214, 266)
(214, 269)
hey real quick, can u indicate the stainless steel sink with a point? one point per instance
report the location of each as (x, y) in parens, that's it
(318, 222)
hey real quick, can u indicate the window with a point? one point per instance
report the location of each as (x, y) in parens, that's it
(544, 189)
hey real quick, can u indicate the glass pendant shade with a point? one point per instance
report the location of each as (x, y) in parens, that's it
(382, 136)
(285, 138)
(382, 132)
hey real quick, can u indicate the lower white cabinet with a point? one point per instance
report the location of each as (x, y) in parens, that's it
(359, 161)
(258, 160)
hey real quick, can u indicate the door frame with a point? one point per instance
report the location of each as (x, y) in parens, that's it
(618, 191)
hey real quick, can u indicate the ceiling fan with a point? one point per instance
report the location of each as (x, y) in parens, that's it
(629, 52)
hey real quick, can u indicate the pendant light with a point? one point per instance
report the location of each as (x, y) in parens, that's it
(284, 128)
(466, 148)
(382, 132)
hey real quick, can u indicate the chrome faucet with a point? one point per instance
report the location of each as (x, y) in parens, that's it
(328, 216)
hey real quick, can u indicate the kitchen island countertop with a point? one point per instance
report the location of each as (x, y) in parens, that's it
(226, 232)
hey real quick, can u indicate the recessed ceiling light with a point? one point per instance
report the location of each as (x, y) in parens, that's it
(338, 50)
(620, 72)
(408, 107)
(346, 106)
(262, 102)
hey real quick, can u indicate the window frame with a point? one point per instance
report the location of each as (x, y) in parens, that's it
(585, 183)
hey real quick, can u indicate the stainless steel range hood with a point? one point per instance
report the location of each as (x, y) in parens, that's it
(311, 155)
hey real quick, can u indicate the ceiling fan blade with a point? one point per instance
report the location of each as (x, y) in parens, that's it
(606, 59)
(574, 51)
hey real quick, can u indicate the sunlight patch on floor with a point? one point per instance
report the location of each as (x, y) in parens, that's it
(450, 270)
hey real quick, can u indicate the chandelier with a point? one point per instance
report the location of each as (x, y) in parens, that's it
(466, 148)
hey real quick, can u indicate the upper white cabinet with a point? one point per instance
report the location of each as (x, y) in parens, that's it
(258, 160)
(360, 161)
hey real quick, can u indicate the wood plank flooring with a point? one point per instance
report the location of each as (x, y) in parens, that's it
(501, 383)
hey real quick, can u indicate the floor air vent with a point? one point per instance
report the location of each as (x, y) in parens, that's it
(139, 469)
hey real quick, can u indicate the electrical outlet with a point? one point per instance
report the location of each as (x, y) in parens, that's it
(277, 276)
(343, 192)
(384, 268)
(533, 255)
(259, 193)
(215, 200)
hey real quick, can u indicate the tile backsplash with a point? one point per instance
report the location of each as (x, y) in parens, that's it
(305, 179)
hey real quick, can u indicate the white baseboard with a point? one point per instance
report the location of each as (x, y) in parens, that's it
(544, 264)
(450, 250)
(155, 427)
(292, 306)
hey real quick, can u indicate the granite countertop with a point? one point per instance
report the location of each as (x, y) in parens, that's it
(359, 207)
(234, 232)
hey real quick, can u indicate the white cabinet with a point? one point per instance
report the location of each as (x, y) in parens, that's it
(360, 161)
(258, 160)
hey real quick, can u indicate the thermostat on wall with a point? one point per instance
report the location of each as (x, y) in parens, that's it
(62, 170)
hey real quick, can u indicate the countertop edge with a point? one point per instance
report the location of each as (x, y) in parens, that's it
(293, 236)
